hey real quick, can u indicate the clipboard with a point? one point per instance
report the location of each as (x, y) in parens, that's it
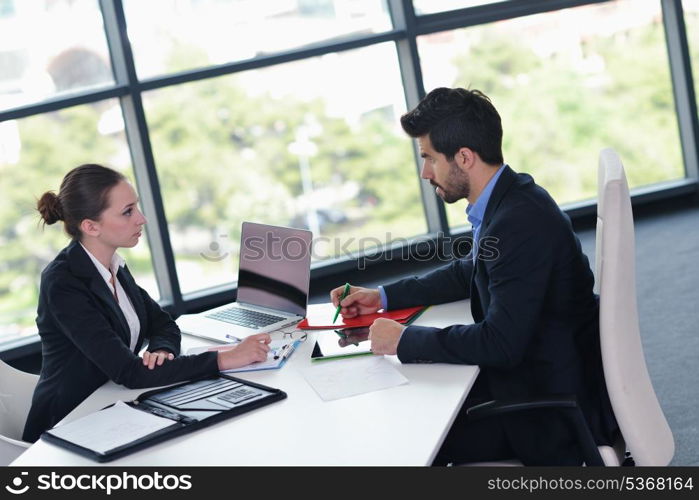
(190, 406)
(280, 351)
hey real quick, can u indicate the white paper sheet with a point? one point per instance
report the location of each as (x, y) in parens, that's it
(110, 428)
(342, 378)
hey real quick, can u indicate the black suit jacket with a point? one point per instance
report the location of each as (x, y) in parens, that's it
(85, 339)
(536, 330)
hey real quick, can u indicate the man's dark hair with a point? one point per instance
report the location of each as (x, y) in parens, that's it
(457, 118)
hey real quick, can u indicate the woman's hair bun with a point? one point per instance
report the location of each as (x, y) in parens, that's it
(49, 206)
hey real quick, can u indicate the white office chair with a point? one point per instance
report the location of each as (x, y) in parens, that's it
(641, 420)
(645, 432)
(16, 390)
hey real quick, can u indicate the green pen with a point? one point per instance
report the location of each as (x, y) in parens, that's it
(345, 292)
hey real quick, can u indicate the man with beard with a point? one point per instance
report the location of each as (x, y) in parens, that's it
(536, 330)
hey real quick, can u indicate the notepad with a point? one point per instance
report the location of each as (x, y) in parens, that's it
(279, 352)
(110, 428)
(319, 317)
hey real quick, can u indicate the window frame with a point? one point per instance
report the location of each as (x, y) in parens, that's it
(407, 26)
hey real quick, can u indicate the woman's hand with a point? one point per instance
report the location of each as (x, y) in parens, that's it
(253, 349)
(151, 359)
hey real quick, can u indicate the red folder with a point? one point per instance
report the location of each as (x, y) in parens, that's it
(319, 317)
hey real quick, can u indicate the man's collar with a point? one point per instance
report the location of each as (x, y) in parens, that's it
(507, 178)
(476, 212)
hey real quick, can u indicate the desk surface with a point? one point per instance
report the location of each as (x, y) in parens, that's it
(403, 425)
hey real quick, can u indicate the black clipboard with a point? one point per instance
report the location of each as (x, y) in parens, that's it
(201, 412)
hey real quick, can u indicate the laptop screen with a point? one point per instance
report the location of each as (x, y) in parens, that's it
(275, 267)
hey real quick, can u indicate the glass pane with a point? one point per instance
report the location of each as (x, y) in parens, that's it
(176, 35)
(567, 84)
(50, 47)
(266, 146)
(691, 19)
(433, 6)
(35, 154)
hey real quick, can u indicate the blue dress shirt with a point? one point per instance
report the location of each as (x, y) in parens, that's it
(476, 212)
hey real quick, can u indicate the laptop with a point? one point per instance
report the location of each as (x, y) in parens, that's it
(273, 283)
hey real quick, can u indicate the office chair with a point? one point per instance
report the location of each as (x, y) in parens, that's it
(16, 390)
(644, 430)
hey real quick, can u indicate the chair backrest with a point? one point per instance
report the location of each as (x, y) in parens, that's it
(641, 420)
(16, 390)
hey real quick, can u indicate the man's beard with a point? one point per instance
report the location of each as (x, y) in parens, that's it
(458, 184)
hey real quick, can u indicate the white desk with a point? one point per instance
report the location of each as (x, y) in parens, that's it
(403, 425)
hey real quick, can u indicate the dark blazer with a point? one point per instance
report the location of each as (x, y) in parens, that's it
(536, 330)
(85, 339)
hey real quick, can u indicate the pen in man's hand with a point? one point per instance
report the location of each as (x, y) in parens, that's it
(345, 292)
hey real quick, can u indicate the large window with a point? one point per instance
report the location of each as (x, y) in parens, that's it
(287, 112)
(434, 6)
(567, 84)
(691, 17)
(171, 35)
(48, 49)
(35, 154)
(329, 156)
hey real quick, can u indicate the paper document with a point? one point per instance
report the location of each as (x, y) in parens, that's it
(348, 377)
(110, 428)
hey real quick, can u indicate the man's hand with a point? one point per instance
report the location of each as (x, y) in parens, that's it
(150, 359)
(359, 301)
(384, 335)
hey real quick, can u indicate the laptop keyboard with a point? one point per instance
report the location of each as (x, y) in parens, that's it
(245, 317)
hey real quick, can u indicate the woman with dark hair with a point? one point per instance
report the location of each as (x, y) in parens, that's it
(93, 318)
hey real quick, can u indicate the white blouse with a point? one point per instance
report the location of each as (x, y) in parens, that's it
(123, 299)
